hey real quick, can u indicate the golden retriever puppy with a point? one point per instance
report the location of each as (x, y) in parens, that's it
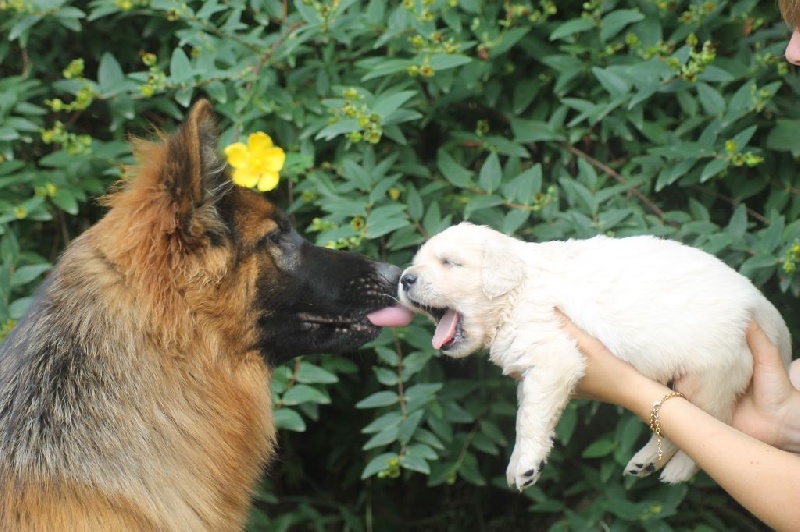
(670, 310)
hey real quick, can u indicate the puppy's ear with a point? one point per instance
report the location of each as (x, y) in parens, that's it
(194, 175)
(501, 270)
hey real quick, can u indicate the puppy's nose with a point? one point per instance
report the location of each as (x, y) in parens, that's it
(407, 280)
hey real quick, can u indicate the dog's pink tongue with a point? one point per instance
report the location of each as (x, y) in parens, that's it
(445, 329)
(390, 317)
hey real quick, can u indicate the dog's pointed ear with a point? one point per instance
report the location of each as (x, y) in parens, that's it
(195, 176)
(501, 270)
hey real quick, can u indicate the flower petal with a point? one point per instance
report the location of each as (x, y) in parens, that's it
(259, 142)
(268, 181)
(245, 177)
(274, 159)
(236, 154)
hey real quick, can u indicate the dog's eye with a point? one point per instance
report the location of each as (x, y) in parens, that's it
(447, 262)
(269, 239)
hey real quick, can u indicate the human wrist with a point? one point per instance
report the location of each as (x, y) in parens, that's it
(639, 394)
(789, 434)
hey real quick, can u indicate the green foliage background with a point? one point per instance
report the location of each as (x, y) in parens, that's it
(542, 119)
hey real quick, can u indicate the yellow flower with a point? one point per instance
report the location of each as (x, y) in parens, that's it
(256, 164)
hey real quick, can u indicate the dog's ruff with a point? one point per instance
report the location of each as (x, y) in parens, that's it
(135, 392)
(666, 308)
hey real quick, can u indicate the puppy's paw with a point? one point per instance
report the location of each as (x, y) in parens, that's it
(525, 466)
(679, 469)
(639, 469)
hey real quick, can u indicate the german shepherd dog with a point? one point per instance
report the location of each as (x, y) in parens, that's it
(134, 395)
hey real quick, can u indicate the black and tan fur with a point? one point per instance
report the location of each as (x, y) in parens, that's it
(134, 395)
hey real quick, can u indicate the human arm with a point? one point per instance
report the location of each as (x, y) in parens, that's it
(763, 479)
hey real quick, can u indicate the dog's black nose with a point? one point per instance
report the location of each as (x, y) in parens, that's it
(390, 272)
(407, 280)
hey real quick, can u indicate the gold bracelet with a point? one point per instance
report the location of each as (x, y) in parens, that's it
(655, 420)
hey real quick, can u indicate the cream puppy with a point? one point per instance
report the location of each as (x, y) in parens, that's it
(668, 309)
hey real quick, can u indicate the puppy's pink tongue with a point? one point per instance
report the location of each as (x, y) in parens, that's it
(390, 317)
(445, 329)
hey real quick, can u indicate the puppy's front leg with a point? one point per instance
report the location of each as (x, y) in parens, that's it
(542, 395)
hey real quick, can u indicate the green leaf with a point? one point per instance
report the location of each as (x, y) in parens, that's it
(480, 203)
(308, 373)
(757, 263)
(713, 168)
(522, 187)
(672, 173)
(420, 394)
(288, 419)
(379, 399)
(382, 438)
(783, 136)
(515, 219)
(386, 376)
(26, 274)
(387, 67)
(302, 393)
(180, 67)
(416, 208)
(743, 137)
(378, 464)
(567, 424)
(19, 307)
(572, 27)
(380, 222)
(452, 171)
(712, 101)
(408, 426)
(491, 174)
(533, 131)
(334, 130)
(415, 463)
(109, 74)
(615, 84)
(389, 419)
(22, 26)
(65, 200)
(615, 21)
(470, 472)
(738, 223)
(386, 104)
(599, 448)
(446, 61)
(506, 147)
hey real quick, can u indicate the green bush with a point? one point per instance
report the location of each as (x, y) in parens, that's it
(542, 119)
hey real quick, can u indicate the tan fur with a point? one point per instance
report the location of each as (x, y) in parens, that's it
(194, 429)
(134, 394)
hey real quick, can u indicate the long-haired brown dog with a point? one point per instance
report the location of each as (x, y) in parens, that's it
(135, 393)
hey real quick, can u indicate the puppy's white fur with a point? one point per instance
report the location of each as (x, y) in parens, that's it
(668, 309)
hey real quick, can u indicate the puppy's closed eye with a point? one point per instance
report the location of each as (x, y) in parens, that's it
(449, 262)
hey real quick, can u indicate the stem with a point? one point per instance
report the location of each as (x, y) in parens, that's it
(616, 175)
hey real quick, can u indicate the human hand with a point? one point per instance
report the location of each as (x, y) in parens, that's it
(605, 375)
(769, 410)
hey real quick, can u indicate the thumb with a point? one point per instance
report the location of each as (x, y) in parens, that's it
(587, 344)
(765, 353)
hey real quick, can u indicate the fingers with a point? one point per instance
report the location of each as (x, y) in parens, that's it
(794, 373)
(764, 351)
(586, 343)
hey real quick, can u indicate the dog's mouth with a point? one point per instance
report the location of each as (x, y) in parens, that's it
(449, 326)
(394, 316)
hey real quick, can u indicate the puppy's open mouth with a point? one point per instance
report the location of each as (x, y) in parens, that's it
(449, 329)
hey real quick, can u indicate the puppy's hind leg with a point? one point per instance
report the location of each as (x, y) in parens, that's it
(714, 390)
